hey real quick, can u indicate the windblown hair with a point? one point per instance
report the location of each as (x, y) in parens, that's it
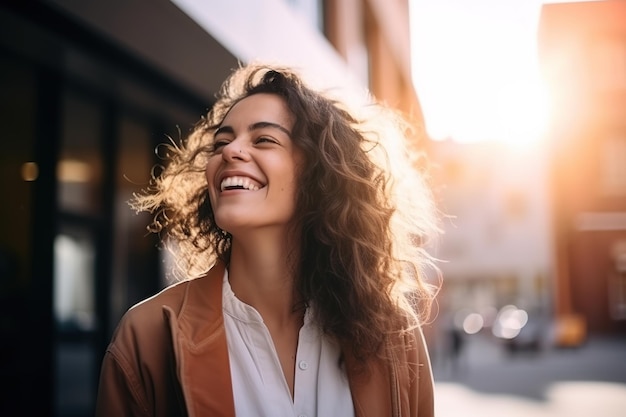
(363, 210)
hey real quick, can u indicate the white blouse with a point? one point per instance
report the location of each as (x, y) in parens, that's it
(259, 385)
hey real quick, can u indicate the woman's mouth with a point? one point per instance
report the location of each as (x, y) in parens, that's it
(239, 183)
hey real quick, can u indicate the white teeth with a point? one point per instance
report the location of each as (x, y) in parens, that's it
(238, 182)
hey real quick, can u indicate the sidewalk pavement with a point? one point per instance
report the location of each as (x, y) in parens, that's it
(564, 399)
(486, 380)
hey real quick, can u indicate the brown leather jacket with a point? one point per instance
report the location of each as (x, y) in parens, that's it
(168, 357)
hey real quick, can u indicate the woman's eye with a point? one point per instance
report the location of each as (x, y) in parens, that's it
(218, 144)
(265, 139)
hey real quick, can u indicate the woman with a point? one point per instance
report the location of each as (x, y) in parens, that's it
(304, 287)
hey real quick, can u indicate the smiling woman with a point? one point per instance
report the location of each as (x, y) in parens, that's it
(253, 146)
(302, 253)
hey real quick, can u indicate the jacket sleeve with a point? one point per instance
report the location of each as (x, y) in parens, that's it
(119, 391)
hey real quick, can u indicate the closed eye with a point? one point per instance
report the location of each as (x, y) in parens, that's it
(265, 139)
(218, 145)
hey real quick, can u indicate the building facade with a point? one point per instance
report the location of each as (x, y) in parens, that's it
(583, 58)
(495, 250)
(89, 90)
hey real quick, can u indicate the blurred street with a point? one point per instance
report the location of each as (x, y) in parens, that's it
(487, 380)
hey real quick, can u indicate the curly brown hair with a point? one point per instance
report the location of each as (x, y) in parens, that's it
(364, 212)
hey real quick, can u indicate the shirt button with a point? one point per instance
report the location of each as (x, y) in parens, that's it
(303, 365)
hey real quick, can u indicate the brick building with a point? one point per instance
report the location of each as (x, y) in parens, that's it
(583, 57)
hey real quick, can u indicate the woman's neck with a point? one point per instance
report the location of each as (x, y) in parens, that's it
(261, 274)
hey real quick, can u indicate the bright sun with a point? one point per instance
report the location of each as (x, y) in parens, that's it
(475, 69)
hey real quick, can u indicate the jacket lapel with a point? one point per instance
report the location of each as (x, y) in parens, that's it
(199, 339)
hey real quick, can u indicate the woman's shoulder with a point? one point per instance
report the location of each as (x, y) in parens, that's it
(172, 296)
(147, 318)
(189, 302)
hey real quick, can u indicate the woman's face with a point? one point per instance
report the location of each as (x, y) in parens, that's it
(252, 173)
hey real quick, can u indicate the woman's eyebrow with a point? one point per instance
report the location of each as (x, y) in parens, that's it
(261, 125)
(223, 129)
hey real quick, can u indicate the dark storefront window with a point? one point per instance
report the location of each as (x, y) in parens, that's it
(74, 256)
(136, 272)
(80, 162)
(79, 175)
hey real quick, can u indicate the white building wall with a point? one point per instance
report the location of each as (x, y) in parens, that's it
(276, 32)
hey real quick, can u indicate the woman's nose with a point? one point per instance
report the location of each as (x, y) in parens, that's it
(234, 151)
